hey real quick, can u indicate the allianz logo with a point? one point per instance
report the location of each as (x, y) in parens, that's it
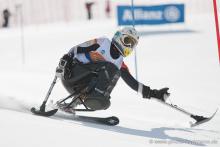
(170, 13)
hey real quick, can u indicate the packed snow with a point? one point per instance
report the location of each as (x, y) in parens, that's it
(183, 58)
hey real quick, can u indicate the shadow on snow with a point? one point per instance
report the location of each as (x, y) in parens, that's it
(157, 135)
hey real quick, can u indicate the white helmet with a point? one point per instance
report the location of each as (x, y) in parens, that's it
(125, 40)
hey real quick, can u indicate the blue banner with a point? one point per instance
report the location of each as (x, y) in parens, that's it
(151, 15)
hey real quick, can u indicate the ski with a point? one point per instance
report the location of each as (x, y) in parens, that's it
(201, 119)
(110, 121)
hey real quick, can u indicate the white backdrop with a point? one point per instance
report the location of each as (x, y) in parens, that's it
(49, 11)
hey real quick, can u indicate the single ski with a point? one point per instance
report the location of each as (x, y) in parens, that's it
(110, 121)
(200, 119)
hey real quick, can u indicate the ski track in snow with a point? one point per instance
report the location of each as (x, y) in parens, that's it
(13, 104)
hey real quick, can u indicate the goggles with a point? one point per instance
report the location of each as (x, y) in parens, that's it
(128, 41)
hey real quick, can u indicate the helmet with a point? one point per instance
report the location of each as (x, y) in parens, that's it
(125, 40)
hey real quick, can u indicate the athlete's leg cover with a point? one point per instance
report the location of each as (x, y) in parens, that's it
(99, 78)
(80, 77)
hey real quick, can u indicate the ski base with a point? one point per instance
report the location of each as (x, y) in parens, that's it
(201, 119)
(110, 121)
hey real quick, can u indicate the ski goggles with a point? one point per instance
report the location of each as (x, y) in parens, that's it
(128, 41)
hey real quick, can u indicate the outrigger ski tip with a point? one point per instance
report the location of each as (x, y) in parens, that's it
(43, 113)
(200, 119)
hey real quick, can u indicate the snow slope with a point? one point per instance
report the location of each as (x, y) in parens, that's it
(183, 58)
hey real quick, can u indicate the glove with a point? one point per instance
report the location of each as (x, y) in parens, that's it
(161, 94)
(63, 70)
